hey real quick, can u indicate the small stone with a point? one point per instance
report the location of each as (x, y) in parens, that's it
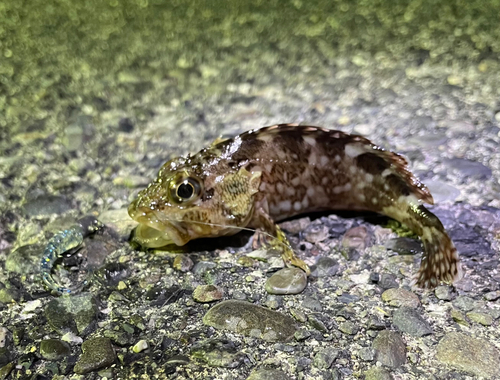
(316, 233)
(404, 246)
(25, 259)
(388, 281)
(312, 304)
(54, 349)
(317, 324)
(472, 355)
(444, 292)
(325, 267)
(8, 295)
(97, 353)
(268, 374)
(207, 293)
(250, 320)
(325, 358)
(5, 336)
(203, 266)
(400, 297)
(482, 318)
(302, 334)
(287, 281)
(492, 296)
(298, 315)
(367, 354)
(409, 320)
(378, 373)
(357, 238)
(140, 346)
(469, 169)
(390, 349)
(73, 314)
(218, 353)
(458, 317)
(464, 303)
(348, 328)
(183, 263)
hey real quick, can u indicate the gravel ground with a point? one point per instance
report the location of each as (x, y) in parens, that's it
(95, 96)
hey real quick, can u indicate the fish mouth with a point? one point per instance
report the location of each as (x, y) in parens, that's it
(154, 230)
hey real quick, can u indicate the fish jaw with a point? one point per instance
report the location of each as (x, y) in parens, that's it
(154, 232)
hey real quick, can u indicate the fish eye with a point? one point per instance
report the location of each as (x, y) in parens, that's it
(186, 190)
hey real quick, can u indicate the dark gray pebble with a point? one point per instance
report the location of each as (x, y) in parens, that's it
(390, 349)
(410, 321)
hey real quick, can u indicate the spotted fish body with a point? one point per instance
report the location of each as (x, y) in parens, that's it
(277, 172)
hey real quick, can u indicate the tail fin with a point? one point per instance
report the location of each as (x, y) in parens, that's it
(440, 261)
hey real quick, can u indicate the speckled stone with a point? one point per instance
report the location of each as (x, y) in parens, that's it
(410, 321)
(287, 281)
(54, 349)
(444, 292)
(357, 237)
(400, 297)
(472, 355)
(76, 313)
(367, 354)
(218, 353)
(268, 374)
(349, 328)
(390, 349)
(251, 320)
(464, 303)
(183, 263)
(378, 373)
(207, 293)
(482, 318)
(325, 357)
(25, 259)
(97, 353)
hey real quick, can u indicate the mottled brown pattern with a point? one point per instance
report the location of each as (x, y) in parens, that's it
(284, 170)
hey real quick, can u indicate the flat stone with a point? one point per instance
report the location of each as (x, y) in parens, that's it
(25, 259)
(348, 328)
(400, 297)
(251, 320)
(218, 353)
(325, 357)
(316, 233)
(444, 292)
(357, 238)
(268, 374)
(287, 281)
(207, 293)
(390, 349)
(468, 168)
(378, 373)
(46, 205)
(325, 267)
(482, 318)
(472, 355)
(73, 314)
(97, 353)
(54, 349)
(409, 320)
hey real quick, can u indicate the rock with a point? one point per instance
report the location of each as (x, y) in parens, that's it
(287, 281)
(54, 349)
(325, 357)
(203, 266)
(482, 318)
(268, 374)
(250, 320)
(348, 328)
(316, 233)
(357, 238)
(312, 304)
(325, 267)
(207, 293)
(97, 353)
(400, 297)
(218, 353)
(464, 303)
(25, 259)
(183, 263)
(75, 313)
(444, 292)
(472, 355)
(390, 349)
(404, 246)
(367, 354)
(409, 320)
(46, 205)
(119, 221)
(378, 373)
(468, 168)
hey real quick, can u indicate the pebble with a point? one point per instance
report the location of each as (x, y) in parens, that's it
(325, 267)
(378, 373)
(97, 353)
(464, 303)
(409, 320)
(482, 318)
(183, 263)
(312, 304)
(251, 320)
(74, 314)
(390, 349)
(316, 233)
(140, 346)
(54, 349)
(218, 353)
(356, 237)
(287, 281)
(444, 292)
(349, 328)
(469, 354)
(268, 374)
(404, 246)
(400, 297)
(203, 266)
(325, 357)
(25, 259)
(207, 293)
(367, 354)
(46, 205)
(468, 168)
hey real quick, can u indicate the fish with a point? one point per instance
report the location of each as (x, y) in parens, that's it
(264, 176)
